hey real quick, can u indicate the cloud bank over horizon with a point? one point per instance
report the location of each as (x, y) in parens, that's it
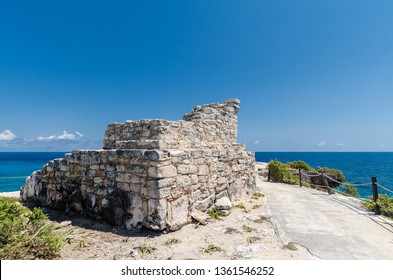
(9, 141)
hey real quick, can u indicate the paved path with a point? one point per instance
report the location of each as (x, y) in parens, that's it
(329, 226)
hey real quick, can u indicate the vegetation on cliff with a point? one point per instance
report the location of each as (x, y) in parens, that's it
(280, 172)
(25, 233)
(385, 204)
(288, 173)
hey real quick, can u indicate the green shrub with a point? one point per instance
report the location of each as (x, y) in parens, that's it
(26, 234)
(351, 190)
(280, 172)
(300, 165)
(327, 171)
(385, 203)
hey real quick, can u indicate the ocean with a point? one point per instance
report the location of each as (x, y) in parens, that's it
(13, 166)
(357, 167)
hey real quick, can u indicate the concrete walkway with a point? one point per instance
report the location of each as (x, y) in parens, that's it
(331, 227)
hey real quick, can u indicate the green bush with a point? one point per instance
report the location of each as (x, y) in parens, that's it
(385, 204)
(280, 172)
(26, 234)
(338, 173)
(351, 190)
(300, 165)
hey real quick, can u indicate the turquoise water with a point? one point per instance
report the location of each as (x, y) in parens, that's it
(19, 165)
(357, 167)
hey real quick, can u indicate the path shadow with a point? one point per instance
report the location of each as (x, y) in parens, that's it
(82, 221)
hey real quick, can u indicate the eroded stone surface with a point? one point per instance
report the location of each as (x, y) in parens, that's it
(152, 173)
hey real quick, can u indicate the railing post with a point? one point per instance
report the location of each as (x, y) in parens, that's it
(300, 177)
(375, 195)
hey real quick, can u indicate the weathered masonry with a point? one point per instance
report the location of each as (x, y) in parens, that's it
(151, 173)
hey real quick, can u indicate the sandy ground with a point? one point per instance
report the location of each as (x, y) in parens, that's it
(246, 233)
(10, 194)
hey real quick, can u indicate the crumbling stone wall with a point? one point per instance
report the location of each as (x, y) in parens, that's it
(151, 173)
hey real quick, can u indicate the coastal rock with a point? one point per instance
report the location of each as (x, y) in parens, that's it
(223, 204)
(246, 251)
(152, 173)
(199, 216)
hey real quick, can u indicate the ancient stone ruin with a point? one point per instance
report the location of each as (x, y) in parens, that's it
(151, 173)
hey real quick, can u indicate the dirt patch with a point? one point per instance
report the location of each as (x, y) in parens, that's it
(246, 233)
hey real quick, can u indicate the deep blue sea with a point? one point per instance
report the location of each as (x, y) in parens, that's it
(357, 167)
(21, 165)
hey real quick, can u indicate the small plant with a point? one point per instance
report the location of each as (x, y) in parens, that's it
(257, 195)
(252, 239)
(280, 172)
(240, 205)
(116, 257)
(83, 244)
(247, 228)
(210, 249)
(146, 249)
(256, 206)
(385, 204)
(338, 173)
(25, 233)
(214, 214)
(351, 190)
(93, 257)
(125, 240)
(230, 230)
(172, 241)
(259, 220)
(291, 246)
(300, 165)
(69, 240)
(197, 225)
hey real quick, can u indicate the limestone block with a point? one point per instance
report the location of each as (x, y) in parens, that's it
(199, 216)
(203, 179)
(136, 169)
(157, 213)
(125, 187)
(203, 170)
(204, 204)
(120, 168)
(157, 193)
(134, 209)
(98, 180)
(223, 203)
(166, 182)
(183, 181)
(178, 215)
(194, 179)
(187, 169)
(162, 172)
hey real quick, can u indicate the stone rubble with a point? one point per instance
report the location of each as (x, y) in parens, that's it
(151, 173)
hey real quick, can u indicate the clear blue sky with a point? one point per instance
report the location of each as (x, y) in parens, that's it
(311, 75)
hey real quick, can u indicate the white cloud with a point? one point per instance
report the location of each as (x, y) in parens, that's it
(79, 134)
(383, 146)
(322, 144)
(257, 142)
(41, 138)
(64, 136)
(7, 135)
(341, 145)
